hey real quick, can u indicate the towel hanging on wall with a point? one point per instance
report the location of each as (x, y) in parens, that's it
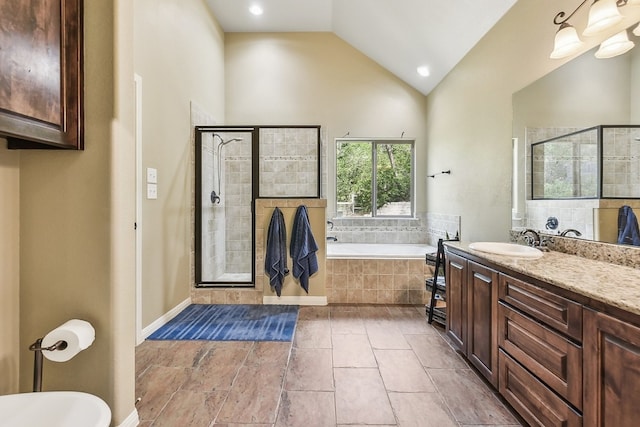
(628, 231)
(275, 260)
(303, 248)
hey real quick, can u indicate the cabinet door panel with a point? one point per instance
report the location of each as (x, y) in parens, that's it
(560, 313)
(482, 323)
(612, 371)
(537, 404)
(548, 355)
(456, 268)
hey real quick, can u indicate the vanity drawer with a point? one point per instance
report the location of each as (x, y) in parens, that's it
(555, 311)
(551, 357)
(537, 404)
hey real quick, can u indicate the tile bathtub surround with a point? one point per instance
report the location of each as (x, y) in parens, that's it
(377, 281)
(426, 228)
(348, 365)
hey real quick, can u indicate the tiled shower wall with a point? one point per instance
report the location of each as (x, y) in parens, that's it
(289, 162)
(621, 162)
(236, 198)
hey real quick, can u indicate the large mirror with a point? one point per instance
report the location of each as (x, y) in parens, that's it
(581, 94)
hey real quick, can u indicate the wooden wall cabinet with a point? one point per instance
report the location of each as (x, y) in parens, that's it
(41, 83)
(472, 304)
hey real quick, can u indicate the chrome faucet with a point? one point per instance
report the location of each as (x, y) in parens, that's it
(332, 238)
(571, 230)
(531, 237)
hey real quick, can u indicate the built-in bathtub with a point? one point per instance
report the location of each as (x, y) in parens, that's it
(377, 273)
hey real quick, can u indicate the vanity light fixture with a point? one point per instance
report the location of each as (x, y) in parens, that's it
(603, 14)
(423, 70)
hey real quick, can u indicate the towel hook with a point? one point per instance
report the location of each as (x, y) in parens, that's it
(448, 172)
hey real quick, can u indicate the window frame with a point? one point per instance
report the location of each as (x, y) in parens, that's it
(374, 143)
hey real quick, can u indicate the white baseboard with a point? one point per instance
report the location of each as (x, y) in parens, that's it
(293, 300)
(162, 320)
(132, 420)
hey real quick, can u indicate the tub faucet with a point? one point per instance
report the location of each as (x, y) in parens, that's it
(531, 237)
(571, 230)
(332, 238)
(330, 224)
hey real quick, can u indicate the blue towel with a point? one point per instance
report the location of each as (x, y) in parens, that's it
(303, 248)
(628, 231)
(275, 262)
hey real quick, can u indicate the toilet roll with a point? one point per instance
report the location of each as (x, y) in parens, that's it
(78, 334)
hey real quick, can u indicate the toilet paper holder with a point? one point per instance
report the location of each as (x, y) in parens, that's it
(60, 345)
(37, 360)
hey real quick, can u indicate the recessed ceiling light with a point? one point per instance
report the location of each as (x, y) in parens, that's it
(423, 70)
(256, 10)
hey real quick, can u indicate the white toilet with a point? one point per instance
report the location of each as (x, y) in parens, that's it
(54, 409)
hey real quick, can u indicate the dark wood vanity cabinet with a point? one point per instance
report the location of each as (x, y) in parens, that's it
(456, 274)
(540, 365)
(558, 358)
(471, 324)
(482, 303)
(611, 371)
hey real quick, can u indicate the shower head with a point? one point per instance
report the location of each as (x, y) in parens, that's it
(223, 142)
(230, 140)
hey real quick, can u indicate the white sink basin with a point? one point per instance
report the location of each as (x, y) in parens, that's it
(54, 409)
(509, 249)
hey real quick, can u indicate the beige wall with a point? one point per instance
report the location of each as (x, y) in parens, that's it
(65, 247)
(179, 55)
(9, 268)
(469, 116)
(316, 78)
(73, 240)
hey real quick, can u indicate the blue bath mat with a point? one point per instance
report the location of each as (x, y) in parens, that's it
(231, 323)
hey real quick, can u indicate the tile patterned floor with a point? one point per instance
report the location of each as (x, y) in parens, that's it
(349, 365)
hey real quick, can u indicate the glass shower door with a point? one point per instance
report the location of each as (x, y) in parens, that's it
(224, 221)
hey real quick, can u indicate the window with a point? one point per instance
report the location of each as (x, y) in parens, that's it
(374, 178)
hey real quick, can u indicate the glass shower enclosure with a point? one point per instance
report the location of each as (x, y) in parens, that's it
(224, 236)
(235, 165)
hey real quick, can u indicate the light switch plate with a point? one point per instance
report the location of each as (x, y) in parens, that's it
(152, 191)
(152, 175)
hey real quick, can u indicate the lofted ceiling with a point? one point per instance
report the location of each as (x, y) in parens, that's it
(400, 35)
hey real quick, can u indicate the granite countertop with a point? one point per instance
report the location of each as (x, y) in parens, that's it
(608, 283)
